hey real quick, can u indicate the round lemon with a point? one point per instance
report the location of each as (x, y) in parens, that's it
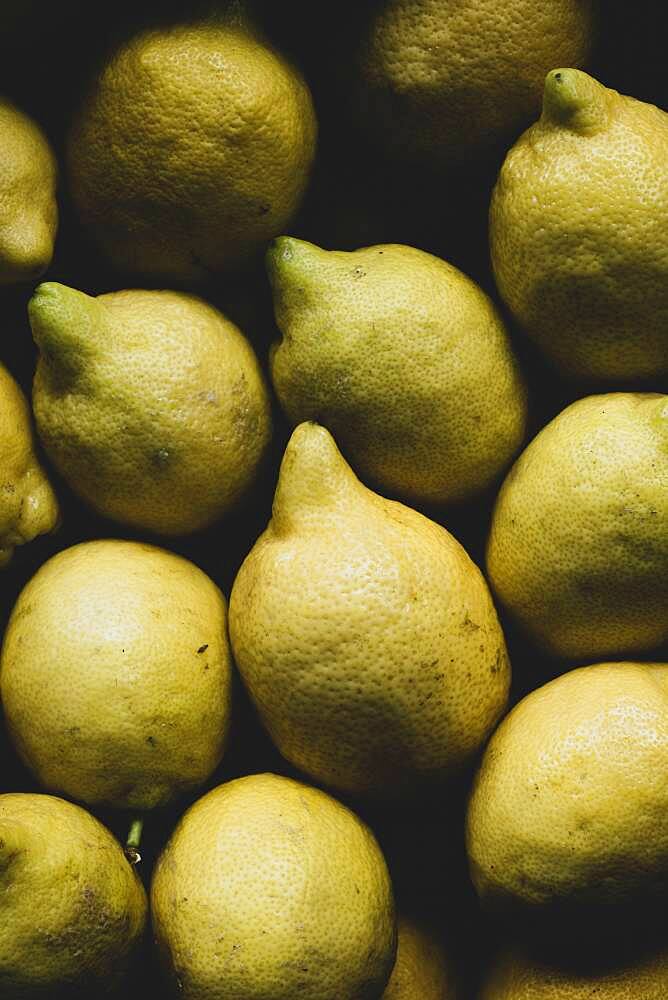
(578, 548)
(270, 888)
(570, 803)
(73, 909)
(192, 148)
(115, 675)
(445, 82)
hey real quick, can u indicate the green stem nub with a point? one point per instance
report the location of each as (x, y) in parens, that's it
(133, 841)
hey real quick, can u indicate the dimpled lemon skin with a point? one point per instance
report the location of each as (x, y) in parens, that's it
(422, 970)
(270, 888)
(28, 505)
(405, 360)
(440, 81)
(365, 634)
(579, 231)
(151, 404)
(115, 675)
(191, 150)
(28, 208)
(516, 976)
(570, 804)
(73, 908)
(578, 547)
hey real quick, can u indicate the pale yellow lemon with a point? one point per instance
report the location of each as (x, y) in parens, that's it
(191, 149)
(578, 547)
(579, 231)
(28, 504)
(570, 802)
(404, 359)
(73, 908)
(365, 634)
(151, 404)
(270, 888)
(115, 676)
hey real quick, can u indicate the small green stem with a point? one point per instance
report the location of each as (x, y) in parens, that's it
(133, 840)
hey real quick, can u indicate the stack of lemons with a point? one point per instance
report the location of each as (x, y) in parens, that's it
(293, 509)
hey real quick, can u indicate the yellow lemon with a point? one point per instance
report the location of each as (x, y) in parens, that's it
(578, 548)
(270, 888)
(28, 208)
(192, 148)
(115, 676)
(151, 404)
(516, 975)
(365, 634)
(569, 805)
(404, 359)
(579, 231)
(73, 909)
(423, 967)
(28, 505)
(441, 82)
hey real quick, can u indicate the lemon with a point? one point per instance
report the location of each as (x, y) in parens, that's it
(570, 802)
(404, 359)
(73, 909)
(28, 176)
(270, 888)
(365, 634)
(443, 82)
(151, 404)
(578, 549)
(28, 505)
(579, 231)
(516, 975)
(423, 967)
(192, 148)
(115, 675)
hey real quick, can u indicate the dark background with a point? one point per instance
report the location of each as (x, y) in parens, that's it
(356, 198)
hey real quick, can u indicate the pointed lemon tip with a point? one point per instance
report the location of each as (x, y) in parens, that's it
(287, 255)
(47, 300)
(313, 472)
(59, 317)
(311, 447)
(313, 440)
(572, 97)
